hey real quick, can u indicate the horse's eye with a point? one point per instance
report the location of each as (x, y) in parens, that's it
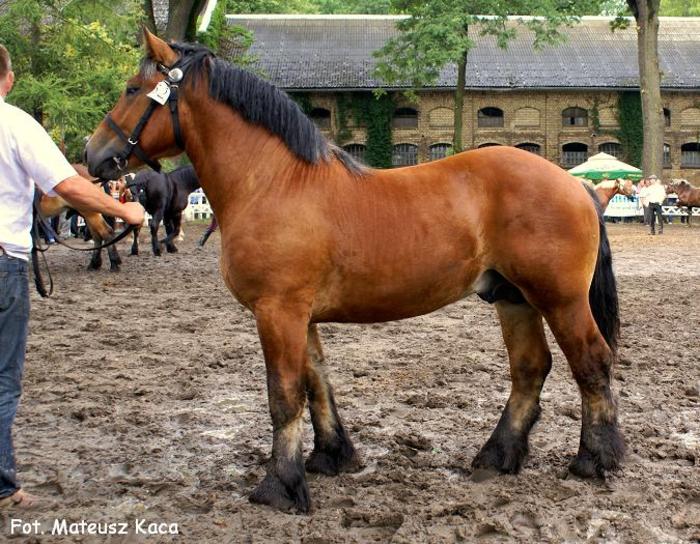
(130, 91)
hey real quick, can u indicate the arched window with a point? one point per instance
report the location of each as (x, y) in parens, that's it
(690, 155)
(667, 156)
(439, 151)
(611, 148)
(356, 151)
(488, 144)
(404, 155)
(574, 117)
(532, 148)
(573, 154)
(405, 118)
(667, 117)
(322, 117)
(490, 117)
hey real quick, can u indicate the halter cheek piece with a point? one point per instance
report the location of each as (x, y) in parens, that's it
(173, 76)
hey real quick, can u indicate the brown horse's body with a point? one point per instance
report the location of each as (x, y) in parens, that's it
(313, 240)
(688, 196)
(606, 190)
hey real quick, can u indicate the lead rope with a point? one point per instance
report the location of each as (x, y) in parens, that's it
(37, 252)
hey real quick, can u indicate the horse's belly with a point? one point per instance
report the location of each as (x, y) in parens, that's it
(367, 299)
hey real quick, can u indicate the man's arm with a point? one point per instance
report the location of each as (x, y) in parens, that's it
(82, 194)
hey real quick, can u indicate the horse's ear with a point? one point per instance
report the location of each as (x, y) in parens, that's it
(157, 49)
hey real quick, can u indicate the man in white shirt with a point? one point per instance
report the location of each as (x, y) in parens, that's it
(28, 157)
(655, 194)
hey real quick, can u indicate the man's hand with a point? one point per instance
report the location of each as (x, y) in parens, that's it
(132, 213)
(84, 196)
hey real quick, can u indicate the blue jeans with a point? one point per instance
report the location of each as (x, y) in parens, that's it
(14, 322)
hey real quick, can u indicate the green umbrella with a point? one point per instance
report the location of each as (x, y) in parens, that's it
(604, 166)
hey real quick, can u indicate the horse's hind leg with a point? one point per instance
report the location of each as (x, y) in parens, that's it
(602, 446)
(96, 259)
(114, 259)
(530, 362)
(333, 451)
(282, 330)
(135, 243)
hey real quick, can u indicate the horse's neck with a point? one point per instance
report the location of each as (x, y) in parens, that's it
(605, 193)
(232, 156)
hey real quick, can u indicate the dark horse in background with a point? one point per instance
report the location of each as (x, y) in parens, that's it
(164, 196)
(310, 236)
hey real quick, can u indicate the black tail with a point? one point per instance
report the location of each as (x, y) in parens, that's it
(603, 292)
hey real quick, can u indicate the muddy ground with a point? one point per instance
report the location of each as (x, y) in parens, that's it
(145, 399)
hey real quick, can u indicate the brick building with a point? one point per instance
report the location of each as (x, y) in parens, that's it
(560, 102)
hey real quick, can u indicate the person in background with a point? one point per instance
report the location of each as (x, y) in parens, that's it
(655, 195)
(643, 200)
(28, 158)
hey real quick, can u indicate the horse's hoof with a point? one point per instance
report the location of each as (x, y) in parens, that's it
(134, 252)
(172, 249)
(602, 450)
(273, 492)
(505, 457)
(93, 267)
(331, 463)
(114, 268)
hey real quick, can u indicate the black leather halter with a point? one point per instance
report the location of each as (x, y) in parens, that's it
(173, 76)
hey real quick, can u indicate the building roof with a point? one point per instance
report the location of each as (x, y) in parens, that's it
(306, 52)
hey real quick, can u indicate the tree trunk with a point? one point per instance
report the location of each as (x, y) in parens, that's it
(150, 21)
(647, 17)
(459, 103)
(182, 19)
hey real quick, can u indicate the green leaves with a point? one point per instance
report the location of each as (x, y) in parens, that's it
(70, 59)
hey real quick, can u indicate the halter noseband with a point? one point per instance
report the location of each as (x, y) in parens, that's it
(173, 76)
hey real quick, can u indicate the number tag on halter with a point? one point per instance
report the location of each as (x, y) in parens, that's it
(161, 93)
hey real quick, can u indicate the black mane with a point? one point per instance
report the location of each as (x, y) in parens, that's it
(261, 103)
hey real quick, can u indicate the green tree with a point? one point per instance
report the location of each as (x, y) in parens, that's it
(70, 68)
(354, 6)
(437, 34)
(680, 8)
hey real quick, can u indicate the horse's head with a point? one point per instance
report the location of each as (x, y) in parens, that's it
(676, 186)
(140, 127)
(625, 187)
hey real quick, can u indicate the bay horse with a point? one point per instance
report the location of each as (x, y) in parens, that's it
(101, 227)
(164, 196)
(688, 196)
(308, 235)
(608, 188)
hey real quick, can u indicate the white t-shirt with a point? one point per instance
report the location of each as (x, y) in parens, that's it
(28, 156)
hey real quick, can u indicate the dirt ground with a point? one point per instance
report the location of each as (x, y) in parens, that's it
(145, 399)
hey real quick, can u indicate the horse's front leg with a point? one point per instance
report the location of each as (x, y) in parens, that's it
(171, 233)
(135, 243)
(155, 223)
(282, 330)
(333, 450)
(175, 227)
